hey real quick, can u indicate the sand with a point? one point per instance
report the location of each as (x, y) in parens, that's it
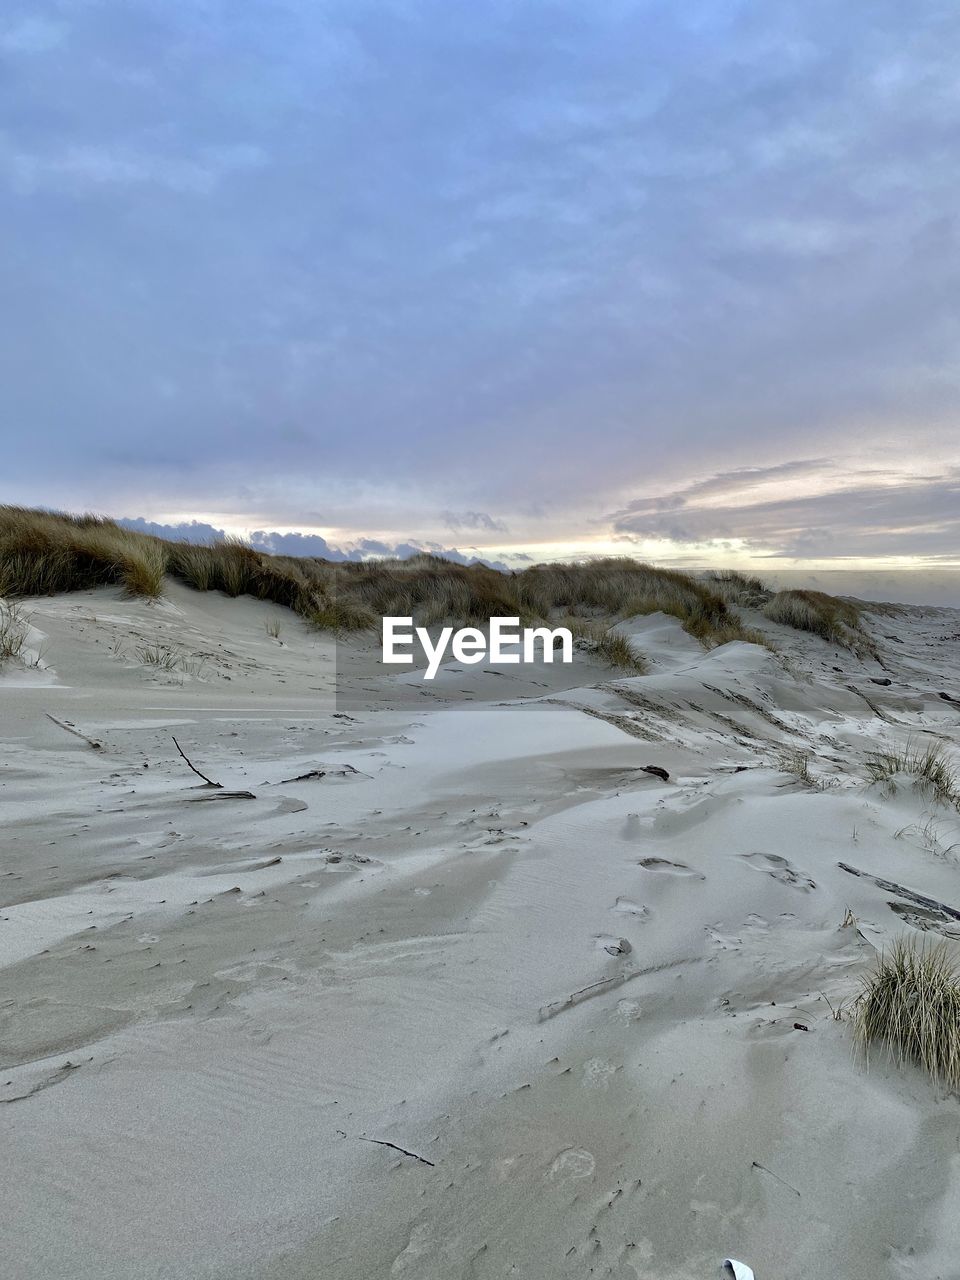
(477, 996)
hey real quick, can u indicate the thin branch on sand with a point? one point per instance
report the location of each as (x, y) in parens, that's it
(208, 781)
(403, 1150)
(91, 742)
(757, 1165)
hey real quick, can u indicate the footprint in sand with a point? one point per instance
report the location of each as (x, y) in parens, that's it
(419, 1246)
(574, 1163)
(665, 867)
(628, 1011)
(772, 864)
(597, 1074)
(613, 946)
(629, 908)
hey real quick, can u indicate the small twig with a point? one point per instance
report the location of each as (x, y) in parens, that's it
(208, 781)
(403, 1150)
(91, 742)
(757, 1165)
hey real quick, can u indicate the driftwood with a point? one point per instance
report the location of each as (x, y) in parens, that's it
(91, 742)
(891, 886)
(208, 781)
(314, 775)
(223, 795)
(403, 1150)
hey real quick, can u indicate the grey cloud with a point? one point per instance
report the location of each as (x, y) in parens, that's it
(498, 257)
(457, 520)
(304, 544)
(296, 544)
(725, 482)
(194, 531)
(908, 515)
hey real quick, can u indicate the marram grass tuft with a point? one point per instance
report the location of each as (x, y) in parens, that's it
(911, 1004)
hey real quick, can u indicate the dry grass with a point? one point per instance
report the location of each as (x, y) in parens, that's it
(44, 553)
(735, 587)
(932, 836)
(797, 762)
(13, 631)
(929, 766)
(165, 658)
(911, 1003)
(833, 619)
(607, 643)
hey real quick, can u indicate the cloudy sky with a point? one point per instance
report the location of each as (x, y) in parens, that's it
(530, 277)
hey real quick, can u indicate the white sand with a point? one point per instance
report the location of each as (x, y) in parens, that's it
(490, 940)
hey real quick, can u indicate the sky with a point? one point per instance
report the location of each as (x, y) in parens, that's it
(517, 278)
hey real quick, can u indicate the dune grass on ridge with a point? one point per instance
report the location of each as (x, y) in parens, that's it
(44, 553)
(830, 617)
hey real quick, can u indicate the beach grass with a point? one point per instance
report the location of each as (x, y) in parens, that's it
(929, 766)
(910, 1002)
(834, 619)
(13, 631)
(47, 552)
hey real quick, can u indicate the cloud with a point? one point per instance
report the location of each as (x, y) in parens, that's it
(304, 544)
(477, 259)
(89, 167)
(472, 520)
(296, 544)
(868, 513)
(194, 531)
(32, 35)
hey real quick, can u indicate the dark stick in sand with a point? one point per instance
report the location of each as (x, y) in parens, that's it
(91, 742)
(403, 1151)
(208, 781)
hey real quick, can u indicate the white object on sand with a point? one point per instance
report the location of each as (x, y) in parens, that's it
(739, 1270)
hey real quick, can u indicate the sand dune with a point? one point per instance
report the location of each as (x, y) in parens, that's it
(441, 982)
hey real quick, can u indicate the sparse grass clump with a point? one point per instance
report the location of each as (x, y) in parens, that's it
(338, 615)
(929, 766)
(911, 1003)
(735, 587)
(797, 762)
(618, 651)
(13, 631)
(833, 619)
(931, 835)
(607, 643)
(165, 658)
